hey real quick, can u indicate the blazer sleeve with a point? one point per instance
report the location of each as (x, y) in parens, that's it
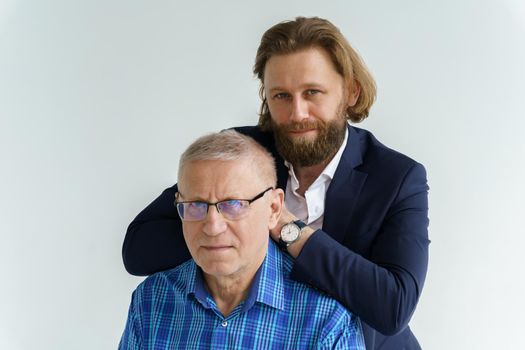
(154, 239)
(384, 288)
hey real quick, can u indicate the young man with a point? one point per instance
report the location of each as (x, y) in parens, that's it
(363, 207)
(235, 293)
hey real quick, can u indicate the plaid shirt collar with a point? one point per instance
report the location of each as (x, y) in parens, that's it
(267, 285)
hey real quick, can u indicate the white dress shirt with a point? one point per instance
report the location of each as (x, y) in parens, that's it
(310, 208)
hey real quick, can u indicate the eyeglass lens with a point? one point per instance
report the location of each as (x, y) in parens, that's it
(231, 209)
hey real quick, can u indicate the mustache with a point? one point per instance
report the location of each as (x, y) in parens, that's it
(298, 126)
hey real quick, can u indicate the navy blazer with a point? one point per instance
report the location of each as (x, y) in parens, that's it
(372, 251)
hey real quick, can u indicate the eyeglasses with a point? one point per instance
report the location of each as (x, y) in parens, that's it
(231, 209)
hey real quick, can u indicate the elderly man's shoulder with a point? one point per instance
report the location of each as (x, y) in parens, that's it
(173, 280)
(301, 290)
(311, 299)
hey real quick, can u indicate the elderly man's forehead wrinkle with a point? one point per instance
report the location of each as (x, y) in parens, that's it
(212, 180)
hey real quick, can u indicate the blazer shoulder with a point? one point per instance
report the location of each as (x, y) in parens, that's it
(378, 157)
(248, 130)
(265, 138)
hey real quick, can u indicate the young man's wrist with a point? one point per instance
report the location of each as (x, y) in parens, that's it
(296, 247)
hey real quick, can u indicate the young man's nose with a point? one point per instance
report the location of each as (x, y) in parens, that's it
(299, 110)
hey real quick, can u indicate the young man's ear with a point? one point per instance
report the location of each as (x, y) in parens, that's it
(277, 203)
(353, 93)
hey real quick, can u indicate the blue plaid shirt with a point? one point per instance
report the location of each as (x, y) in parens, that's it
(173, 310)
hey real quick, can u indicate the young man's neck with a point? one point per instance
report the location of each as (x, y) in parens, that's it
(307, 175)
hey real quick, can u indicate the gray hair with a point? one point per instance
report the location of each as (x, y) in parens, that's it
(230, 145)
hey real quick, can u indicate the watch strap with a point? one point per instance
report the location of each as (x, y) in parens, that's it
(300, 224)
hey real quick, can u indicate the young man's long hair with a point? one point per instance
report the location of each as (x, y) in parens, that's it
(303, 33)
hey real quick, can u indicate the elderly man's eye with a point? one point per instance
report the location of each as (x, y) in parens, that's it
(197, 205)
(233, 208)
(232, 204)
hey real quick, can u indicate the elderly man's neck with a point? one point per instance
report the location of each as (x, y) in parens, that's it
(230, 291)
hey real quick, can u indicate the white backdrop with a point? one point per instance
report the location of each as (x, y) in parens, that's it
(98, 98)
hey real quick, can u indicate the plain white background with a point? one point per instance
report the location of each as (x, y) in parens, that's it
(99, 98)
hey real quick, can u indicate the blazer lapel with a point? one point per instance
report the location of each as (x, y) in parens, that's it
(344, 190)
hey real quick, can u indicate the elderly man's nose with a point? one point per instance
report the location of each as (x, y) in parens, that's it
(214, 222)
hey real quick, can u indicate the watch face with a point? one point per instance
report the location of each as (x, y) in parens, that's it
(290, 232)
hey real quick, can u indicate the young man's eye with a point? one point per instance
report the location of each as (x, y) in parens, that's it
(312, 92)
(281, 96)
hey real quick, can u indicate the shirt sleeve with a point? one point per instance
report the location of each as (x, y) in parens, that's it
(346, 335)
(132, 337)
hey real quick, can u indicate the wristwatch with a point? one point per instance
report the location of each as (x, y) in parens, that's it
(291, 232)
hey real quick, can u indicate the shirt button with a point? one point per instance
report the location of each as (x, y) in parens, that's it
(224, 324)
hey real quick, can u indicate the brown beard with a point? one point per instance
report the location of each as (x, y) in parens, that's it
(303, 152)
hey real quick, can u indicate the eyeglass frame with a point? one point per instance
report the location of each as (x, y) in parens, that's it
(216, 204)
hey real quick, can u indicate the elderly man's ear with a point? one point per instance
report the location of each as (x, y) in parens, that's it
(276, 207)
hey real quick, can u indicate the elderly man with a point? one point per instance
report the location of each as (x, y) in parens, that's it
(363, 208)
(236, 292)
